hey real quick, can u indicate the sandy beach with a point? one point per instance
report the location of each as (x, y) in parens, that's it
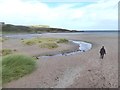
(81, 70)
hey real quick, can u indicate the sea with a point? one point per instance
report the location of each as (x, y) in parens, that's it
(104, 33)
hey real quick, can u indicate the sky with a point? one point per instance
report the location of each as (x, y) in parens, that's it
(67, 14)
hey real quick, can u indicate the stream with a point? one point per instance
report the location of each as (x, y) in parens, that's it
(83, 47)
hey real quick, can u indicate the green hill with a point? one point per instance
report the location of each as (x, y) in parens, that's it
(8, 28)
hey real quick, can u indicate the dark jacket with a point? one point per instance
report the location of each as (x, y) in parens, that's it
(102, 51)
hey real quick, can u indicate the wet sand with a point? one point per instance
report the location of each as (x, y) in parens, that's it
(81, 70)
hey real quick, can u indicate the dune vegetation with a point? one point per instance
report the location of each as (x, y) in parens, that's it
(15, 66)
(49, 43)
(3, 39)
(6, 52)
(62, 41)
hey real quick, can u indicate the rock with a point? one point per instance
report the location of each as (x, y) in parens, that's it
(57, 78)
(89, 70)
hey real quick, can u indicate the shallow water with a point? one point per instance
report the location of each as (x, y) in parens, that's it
(83, 47)
(74, 33)
(19, 36)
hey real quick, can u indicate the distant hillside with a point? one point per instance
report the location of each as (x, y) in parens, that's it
(40, 26)
(8, 28)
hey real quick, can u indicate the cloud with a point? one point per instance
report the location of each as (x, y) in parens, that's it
(102, 14)
(69, 0)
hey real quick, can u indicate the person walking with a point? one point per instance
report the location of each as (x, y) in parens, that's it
(102, 52)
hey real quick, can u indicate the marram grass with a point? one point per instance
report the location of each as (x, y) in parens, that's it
(15, 66)
(6, 51)
(62, 41)
(38, 41)
(49, 43)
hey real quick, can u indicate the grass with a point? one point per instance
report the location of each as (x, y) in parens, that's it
(6, 52)
(9, 29)
(3, 39)
(49, 45)
(15, 66)
(38, 40)
(29, 42)
(62, 41)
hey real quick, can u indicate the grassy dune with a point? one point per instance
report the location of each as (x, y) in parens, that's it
(48, 45)
(62, 40)
(16, 66)
(45, 42)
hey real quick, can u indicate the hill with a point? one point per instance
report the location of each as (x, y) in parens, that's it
(9, 28)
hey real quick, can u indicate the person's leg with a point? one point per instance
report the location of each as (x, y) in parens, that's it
(102, 56)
